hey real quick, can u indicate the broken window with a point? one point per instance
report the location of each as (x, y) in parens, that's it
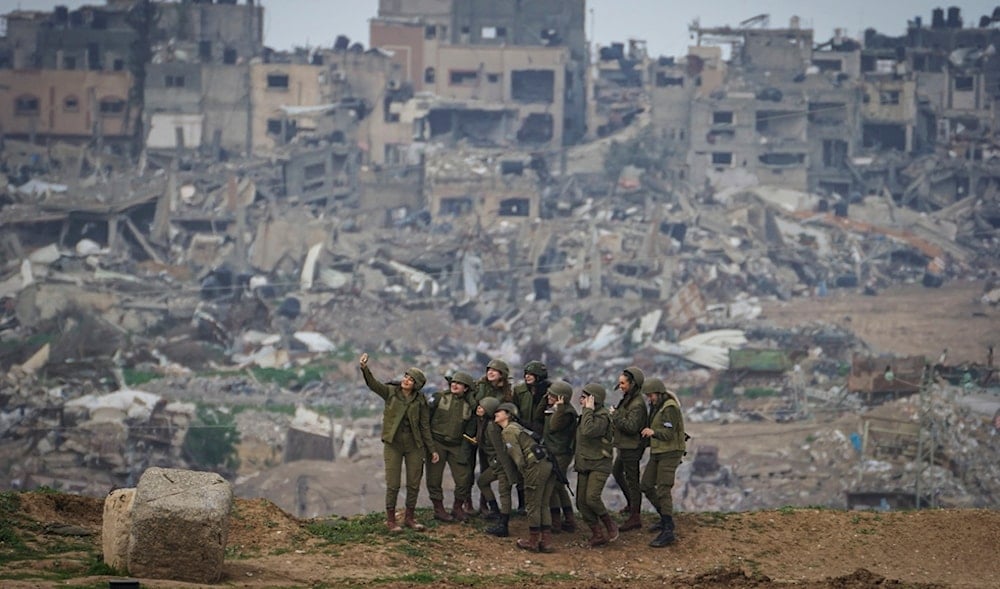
(884, 136)
(722, 158)
(69, 62)
(430, 32)
(26, 105)
(112, 106)
(964, 84)
(834, 153)
(277, 81)
(888, 97)
(205, 50)
(533, 85)
(463, 77)
(173, 81)
(536, 128)
(828, 65)
(782, 159)
(229, 56)
(456, 205)
(429, 75)
(71, 104)
(118, 65)
(314, 177)
(493, 78)
(722, 117)
(663, 80)
(827, 114)
(515, 207)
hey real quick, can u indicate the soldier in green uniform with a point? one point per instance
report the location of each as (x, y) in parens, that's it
(484, 421)
(559, 436)
(530, 395)
(536, 470)
(496, 383)
(629, 417)
(594, 449)
(667, 444)
(500, 468)
(406, 438)
(451, 422)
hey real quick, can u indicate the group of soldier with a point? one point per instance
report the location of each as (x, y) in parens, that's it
(524, 438)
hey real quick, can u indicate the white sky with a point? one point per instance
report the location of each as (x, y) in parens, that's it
(663, 24)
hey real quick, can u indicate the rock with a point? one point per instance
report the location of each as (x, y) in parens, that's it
(116, 525)
(180, 523)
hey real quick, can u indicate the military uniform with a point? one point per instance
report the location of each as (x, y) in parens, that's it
(451, 420)
(539, 481)
(629, 418)
(559, 438)
(666, 451)
(594, 449)
(406, 437)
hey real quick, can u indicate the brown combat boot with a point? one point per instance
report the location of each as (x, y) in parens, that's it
(439, 512)
(556, 521)
(545, 540)
(597, 537)
(390, 520)
(457, 512)
(532, 542)
(611, 526)
(410, 520)
(569, 521)
(634, 521)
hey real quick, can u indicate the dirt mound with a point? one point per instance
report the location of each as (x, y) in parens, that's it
(801, 548)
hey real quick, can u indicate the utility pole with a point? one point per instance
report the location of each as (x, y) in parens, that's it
(926, 438)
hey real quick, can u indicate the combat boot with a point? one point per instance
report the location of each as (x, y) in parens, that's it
(597, 537)
(439, 512)
(545, 540)
(410, 520)
(458, 512)
(634, 521)
(611, 526)
(556, 523)
(493, 512)
(532, 542)
(390, 520)
(569, 520)
(501, 529)
(666, 536)
(658, 524)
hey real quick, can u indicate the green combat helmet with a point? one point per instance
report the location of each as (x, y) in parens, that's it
(500, 366)
(538, 369)
(510, 408)
(489, 405)
(419, 380)
(463, 378)
(560, 389)
(597, 391)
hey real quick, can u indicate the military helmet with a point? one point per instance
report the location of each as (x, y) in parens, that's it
(537, 368)
(489, 405)
(463, 378)
(419, 380)
(597, 391)
(560, 389)
(654, 385)
(636, 374)
(500, 366)
(510, 408)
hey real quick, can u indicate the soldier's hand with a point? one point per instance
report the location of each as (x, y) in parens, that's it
(364, 360)
(435, 458)
(559, 401)
(646, 432)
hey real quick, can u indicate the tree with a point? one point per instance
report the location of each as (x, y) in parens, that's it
(211, 440)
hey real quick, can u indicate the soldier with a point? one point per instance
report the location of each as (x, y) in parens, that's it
(536, 470)
(406, 438)
(559, 435)
(530, 395)
(451, 421)
(484, 443)
(496, 383)
(594, 449)
(500, 468)
(629, 417)
(667, 444)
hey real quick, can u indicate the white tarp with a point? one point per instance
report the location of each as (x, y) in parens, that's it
(163, 130)
(133, 404)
